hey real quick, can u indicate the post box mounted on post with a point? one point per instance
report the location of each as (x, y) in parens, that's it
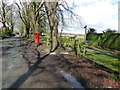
(37, 41)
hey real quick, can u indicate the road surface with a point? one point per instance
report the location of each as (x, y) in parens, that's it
(47, 71)
(17, 74)
(13, 65)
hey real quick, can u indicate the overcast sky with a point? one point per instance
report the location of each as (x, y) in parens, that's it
(98, 14)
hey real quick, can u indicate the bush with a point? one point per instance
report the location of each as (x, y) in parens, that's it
(111, 41)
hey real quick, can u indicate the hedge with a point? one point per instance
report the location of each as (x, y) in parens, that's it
(111, 41)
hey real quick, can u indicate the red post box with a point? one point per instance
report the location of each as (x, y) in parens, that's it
(37, 34)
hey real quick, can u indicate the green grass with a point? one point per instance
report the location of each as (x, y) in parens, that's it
(103, 59)
(80, 37)
(105, 49)
(113, 76)
(108, 61)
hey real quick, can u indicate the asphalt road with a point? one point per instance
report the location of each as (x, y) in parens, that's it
(17, 74)
(13, 65)
(0, 65)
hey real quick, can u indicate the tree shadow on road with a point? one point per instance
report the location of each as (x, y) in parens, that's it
(30, 71)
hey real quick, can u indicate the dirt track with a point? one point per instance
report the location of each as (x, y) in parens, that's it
(86, 72)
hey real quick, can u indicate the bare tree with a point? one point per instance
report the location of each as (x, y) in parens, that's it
(55, 14)
(51, 9)
(37, 15)
(31, 14)
(6, 17)
(10, 18)
(3, 15)
(24, 13)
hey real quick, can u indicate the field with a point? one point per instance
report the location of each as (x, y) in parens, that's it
(109, 61)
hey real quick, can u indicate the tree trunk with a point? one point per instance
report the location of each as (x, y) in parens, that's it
(4, 27)
(51, 9)
(27, 30)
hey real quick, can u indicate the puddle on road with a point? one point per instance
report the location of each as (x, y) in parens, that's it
(72, 80)
(53, 53)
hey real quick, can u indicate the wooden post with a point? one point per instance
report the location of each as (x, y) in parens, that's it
(84, 52)
(85, 32)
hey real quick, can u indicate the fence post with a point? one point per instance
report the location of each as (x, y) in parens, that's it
(84, 52)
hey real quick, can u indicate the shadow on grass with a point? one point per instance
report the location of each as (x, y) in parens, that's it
(110, 55)
(106, 68)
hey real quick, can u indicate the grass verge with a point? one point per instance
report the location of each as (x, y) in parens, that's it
(108, 61)
(104, 49)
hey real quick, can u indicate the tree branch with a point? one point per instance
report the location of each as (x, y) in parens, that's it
(20, 13)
